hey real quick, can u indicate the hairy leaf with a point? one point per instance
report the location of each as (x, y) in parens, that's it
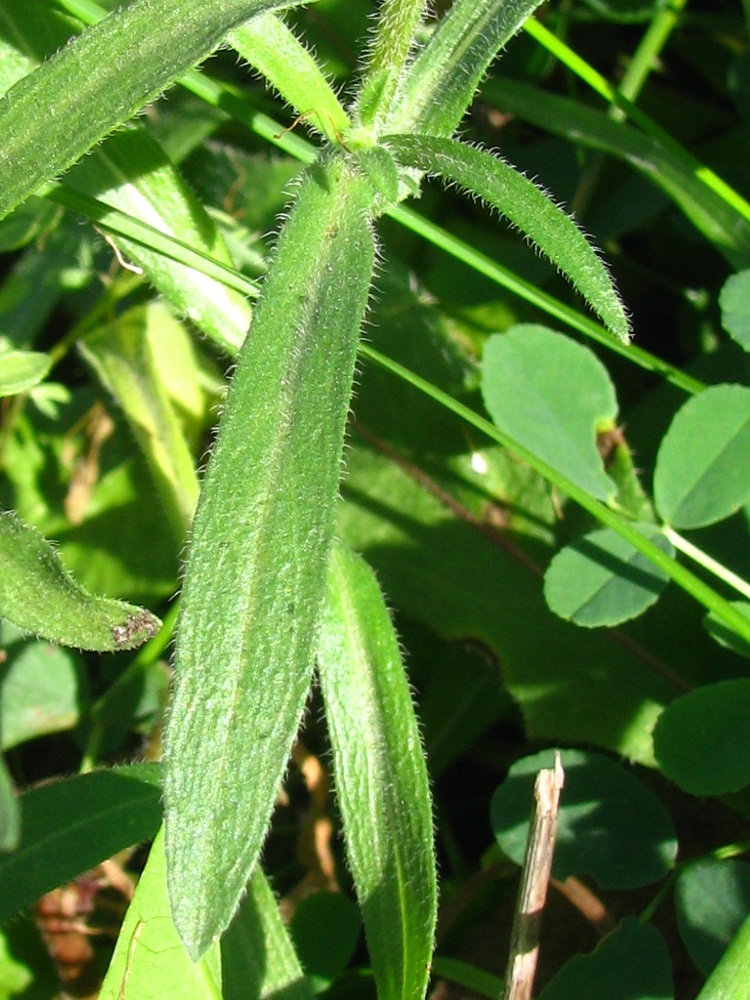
(526, 206)
(255, 578)
(381, 780)
(40, 596)
(100, 79)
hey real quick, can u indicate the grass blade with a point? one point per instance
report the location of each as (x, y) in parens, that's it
(255, 579)
(667, 166)
(381, 780)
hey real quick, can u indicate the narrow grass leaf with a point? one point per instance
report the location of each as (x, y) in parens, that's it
(701, 468)
(552, 396)
(131, 173)
(276, 52)
(255, 578)
(22, 370)
(670, 168)
(610, 825)
(527, 207)
(257, 954)
(123, 356)
(38, 595)
(443, 79)
(71, 825)
(702, 740)
(150, 960)
(602, 580)
(100, 79)
(381, 780)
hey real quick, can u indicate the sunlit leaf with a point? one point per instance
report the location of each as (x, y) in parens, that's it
(602, 579)
(245, 648)
(40, 596)
(378, 766)
(552, 396)
(701, 469)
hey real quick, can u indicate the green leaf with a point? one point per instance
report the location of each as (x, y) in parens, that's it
(10, 814)
(701, 468)
(602, 579)
(255, 578)
(610, 824)
(257, 955)
(669, 167)
(443, 79)
(631, 962)
(21, 370)
(130, 173)
(72, 825)
(552, 396)
(393, 41)
(731, 977)
(149, 957)
(726, 636)
(702, 740)
(712, 898)
(39, 595)
(325, 929)
(42, 690)
(379, 768)
(275, 51)
(734, 301)
(101, 79)
(123, 354)
(455, 580)
(526, 206)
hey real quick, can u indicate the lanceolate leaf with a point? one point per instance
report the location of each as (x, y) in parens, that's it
(101, 79)
(22, 370)
(525, 206)
(255, 578)
(131, 172)
(443, 80)
(381, 780)
(71, 825)
(40, 596)
(276, 52)
(394, 37)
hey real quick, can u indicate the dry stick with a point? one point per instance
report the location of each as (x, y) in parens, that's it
(537, 865)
